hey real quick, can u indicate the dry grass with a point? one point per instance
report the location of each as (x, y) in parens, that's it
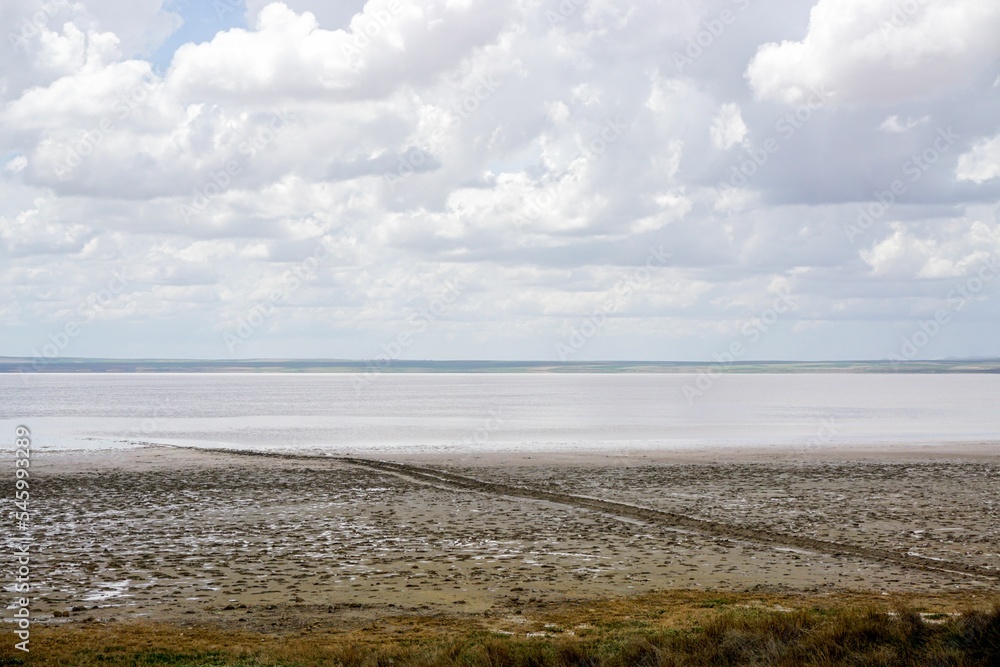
(674, 628)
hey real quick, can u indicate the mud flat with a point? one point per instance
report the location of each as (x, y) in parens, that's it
(277, 543)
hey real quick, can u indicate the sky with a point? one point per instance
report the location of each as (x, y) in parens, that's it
(528, 179)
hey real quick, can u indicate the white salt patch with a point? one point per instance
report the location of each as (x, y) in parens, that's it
(107, 591)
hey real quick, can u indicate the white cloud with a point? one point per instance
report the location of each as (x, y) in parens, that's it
(140, 25)
(557, 111)
(959, 250)
(41, 231)
(471, 141)
(673, 206)
(981, 163)
(876, 51)
(48, 39)
(16, 165)
(289, 56)
(893, 124)
(330, 15)
(728, 128)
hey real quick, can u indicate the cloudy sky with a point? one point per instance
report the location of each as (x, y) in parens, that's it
(516, 179)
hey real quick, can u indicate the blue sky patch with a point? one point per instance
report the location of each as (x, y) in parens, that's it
(203, 20)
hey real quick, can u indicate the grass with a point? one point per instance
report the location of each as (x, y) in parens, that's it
(624, 633)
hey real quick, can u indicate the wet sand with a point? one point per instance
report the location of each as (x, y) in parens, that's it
(182, 535)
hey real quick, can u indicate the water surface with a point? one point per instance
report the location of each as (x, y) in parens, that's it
(476, 412)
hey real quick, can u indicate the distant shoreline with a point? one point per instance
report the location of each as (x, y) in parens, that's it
(83, 365)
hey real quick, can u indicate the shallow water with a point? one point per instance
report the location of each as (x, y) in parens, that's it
(496, 412)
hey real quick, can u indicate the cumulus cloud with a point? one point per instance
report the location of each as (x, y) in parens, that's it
(330, 15)
(981, 163)
(17, 164)
(728, 127)
(288, 55)
(961, 249)
(47, 39)
(357, 159)
(879, 51)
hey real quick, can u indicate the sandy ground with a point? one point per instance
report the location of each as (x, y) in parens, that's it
(183, 535)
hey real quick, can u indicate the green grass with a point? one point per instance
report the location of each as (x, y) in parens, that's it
(729, 637)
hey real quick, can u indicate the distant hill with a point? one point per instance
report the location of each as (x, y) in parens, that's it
(73, 365)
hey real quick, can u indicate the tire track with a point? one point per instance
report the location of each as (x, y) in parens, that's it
(716, 529)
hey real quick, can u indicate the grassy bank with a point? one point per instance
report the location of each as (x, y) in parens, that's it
(654, 630)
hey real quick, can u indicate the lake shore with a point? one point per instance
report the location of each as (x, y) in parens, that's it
(168, 533)
(138, 545)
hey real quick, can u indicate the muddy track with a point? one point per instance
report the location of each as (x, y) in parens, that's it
(715, 529)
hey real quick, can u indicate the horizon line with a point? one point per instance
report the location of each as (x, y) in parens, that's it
(384, 360)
